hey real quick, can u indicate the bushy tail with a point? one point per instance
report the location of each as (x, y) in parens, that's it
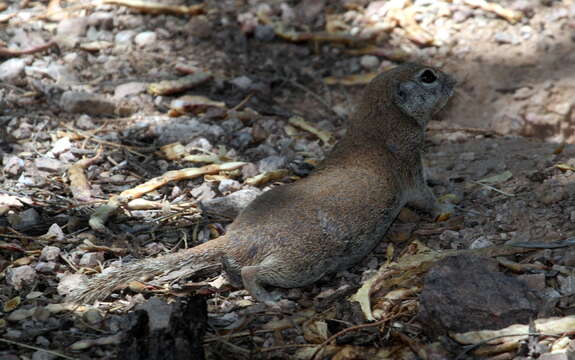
(103, 284)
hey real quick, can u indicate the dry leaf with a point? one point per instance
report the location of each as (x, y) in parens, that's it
(12, 304)
(267, 177)
(299, 122)
(552, 326)
(206, 158)
(315, 331)
(169, 87)
(174, 151)
(564, 167)
(26, 260)
(497, 179)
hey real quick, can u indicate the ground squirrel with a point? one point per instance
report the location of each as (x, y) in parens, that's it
(294, 234)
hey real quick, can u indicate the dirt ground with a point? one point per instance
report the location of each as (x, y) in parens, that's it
(98, 97)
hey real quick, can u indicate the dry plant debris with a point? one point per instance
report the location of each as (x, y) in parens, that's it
(243, 73)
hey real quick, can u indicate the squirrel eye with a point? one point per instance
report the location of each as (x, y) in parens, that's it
(428, 77)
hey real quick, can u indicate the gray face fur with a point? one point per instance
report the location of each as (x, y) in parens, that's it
(424, 95)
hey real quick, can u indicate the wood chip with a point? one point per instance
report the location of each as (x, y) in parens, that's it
(150, 7)
(299, 122)
(170, 87)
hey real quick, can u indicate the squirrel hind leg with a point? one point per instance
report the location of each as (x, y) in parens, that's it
(254, 280)
(232, 271)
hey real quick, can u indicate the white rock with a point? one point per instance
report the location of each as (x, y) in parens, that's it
(60, 146)
(46, 267)
(369, 62)
(70, 282)
(70, 31)
(92, 259)
(85, 122)
(50, 253)
(13, 165)
(55, 232)
(146, 38)
(49, 164)
(271, 163)
(11, 69)
(228, 185)
(243, 82)
(125, 37)
(131, 88)
(480, 243)
(20, 276)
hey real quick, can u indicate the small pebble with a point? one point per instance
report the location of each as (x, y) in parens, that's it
(50, 253)
(369, 62)
(92, 259)
(146, 38)
(20, 276)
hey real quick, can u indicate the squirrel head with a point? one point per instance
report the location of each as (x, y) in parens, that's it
(418, 91)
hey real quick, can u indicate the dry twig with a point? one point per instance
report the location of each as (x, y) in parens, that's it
(11, 52)
(79, 184)
(150, 7)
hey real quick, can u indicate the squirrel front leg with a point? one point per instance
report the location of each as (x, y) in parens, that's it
(422, 198)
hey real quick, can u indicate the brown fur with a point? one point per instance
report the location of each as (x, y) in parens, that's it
(294, 234)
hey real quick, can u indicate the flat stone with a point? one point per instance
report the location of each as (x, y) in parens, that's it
(92, 259)
(49, 165)
(20, 276)
(466, 293)
(11, 69)
(131, 88)
(146, 38)
(50, 253)
(86, 103)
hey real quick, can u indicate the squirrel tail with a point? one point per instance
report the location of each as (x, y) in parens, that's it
(105, 283)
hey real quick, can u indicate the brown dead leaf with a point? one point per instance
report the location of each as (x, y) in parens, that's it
(299, 122)
(552, 326)
(564, 167)
(170, 87)
(12, 304)
(497, 179)
(266, 177)
(26, 260)
(174, 151)
(315, 331)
